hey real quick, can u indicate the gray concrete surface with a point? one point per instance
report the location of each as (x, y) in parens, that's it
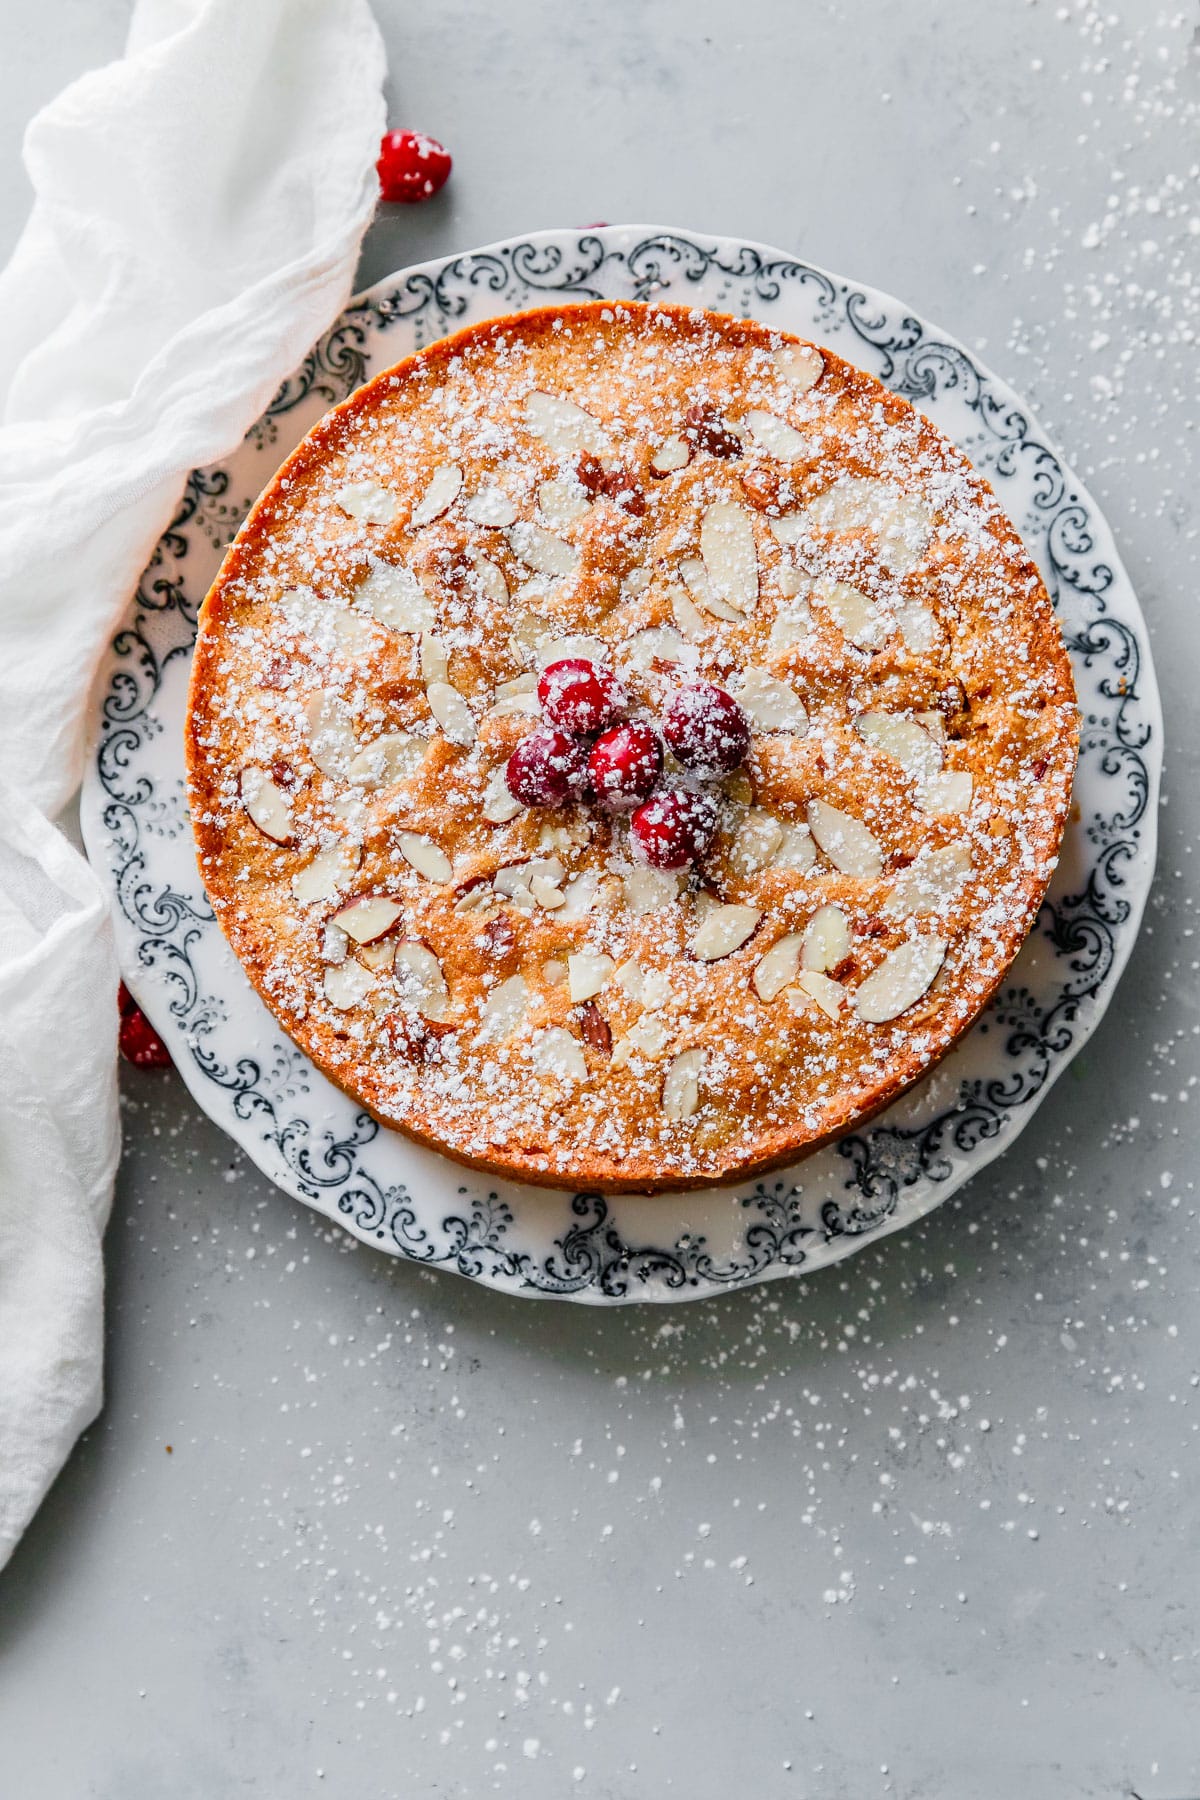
(927, 1525)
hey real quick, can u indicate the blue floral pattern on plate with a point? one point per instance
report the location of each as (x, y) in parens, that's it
(311, 1139)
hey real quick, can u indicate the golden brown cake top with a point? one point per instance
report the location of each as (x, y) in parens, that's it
(675, 496)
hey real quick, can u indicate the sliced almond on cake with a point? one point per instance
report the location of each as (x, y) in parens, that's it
(681, 1084)
(266, 805)
(394, 757)
(561, 502)
(491, 507)
(826, 939)
(369, 917)
(900, 980)
(558, 1052)
(347, 984)
(800, 365)
(846, 841)
(772, 704)
(504, 1009)
(445, 485)
(904, 740)
(452, 713)
(542, 551)
(587, 972)
(853, 612)
(393, 595)
(775, 435)
(948, 793)
(723, 930)
(779, 967)
(426, 857)
(326, 873)
(673, 453)
(929, 883)
(728, 552)
(563, 426)
(420, 980)
(367, 502)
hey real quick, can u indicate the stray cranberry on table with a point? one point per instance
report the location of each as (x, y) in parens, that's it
(412, 167)
(137, 1039)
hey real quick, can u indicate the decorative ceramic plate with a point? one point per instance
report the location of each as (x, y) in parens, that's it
(312, 1140)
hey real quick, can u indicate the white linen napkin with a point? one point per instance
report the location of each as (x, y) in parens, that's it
(198, 211)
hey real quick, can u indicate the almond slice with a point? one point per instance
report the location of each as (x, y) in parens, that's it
(696, 576)
(542, 551)
(903, 740)
(771, 703)
(367, 502)
(918, 627)
(514, 876)
(688, 616)
(347, 984)
(435, 659)
(379, 955)
(650, 890)
(492, 507)
(777, 437)
(587, 973)
(791, 625)
(649, 1038)
(850, 847)
(504, 1009)
(580, 895)
(452, 713)
(491, 580)
(561, 649)
(394, 757)
(393, 595)
(326, 873)
(826, 939)
(790, 529)
(900, 980)
(829, 995)
(899, 523)
(369, 917)
(561, 502)
(673, 453)
(547, 893)
(778, 968)
(557, 1052)
(564, 427)
(724, 930)
(759, 837)
(853, 612)
(420, 979)
(515, 698)
(266, 805)
(949, 793)
(681, 1084)
(331, 739)
(800, 365)
(334, 944)
(498, 804)
(728, 551)
(656, 644)
(426, 857)
(797, 850)
(445, 484)
(929, 883)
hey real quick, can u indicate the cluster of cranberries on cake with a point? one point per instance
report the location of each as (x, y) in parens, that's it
(627, 746)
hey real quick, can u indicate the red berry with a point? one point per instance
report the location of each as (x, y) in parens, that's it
(411, 166)
(547, 768)
(674, 828)
(577, 696)
(139, 1043)
(624, 765)
(707, 729)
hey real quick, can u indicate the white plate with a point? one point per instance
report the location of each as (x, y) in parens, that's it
(312, 1140)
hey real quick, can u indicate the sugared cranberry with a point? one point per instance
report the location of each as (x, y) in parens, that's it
(139, 1043)
(411, 166)
(624, 765)
(674, 828)
(547, 768)
(577, 696)
(707, 729)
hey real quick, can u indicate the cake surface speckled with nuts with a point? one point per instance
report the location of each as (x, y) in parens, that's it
(671, 502)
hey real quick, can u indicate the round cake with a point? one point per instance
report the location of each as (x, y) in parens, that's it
(627, 746)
